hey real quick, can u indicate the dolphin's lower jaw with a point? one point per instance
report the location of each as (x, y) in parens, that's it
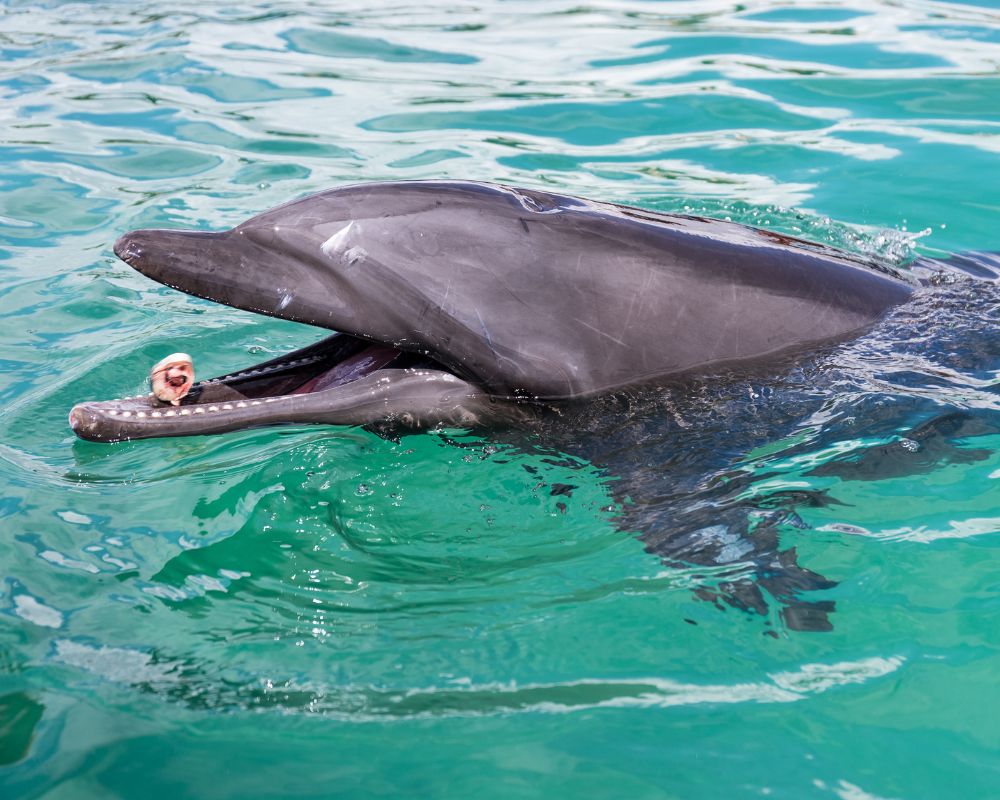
(340, 380)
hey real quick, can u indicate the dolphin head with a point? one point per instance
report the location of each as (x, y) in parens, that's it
(405, 264)
(451, 299)
(310, 262)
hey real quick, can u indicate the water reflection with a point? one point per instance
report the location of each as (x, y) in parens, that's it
(19, 715)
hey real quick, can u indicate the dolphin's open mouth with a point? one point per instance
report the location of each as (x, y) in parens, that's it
(306, 385)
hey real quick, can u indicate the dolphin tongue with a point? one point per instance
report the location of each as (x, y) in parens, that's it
(357, 366)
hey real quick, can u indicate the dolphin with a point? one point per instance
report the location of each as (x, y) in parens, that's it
(463, 303)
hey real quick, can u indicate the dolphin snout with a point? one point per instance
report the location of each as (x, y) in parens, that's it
(83, 421)
(174, 257)
(128, 249)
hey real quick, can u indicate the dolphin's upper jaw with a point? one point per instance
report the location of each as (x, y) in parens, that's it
(128, 249)
(165, 255)
(341, 378)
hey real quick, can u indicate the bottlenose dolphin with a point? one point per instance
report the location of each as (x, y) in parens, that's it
(462, 303)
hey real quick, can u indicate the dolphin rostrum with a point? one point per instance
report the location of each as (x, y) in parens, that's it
(459, 302)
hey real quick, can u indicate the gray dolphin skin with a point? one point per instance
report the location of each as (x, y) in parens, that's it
(461, 303)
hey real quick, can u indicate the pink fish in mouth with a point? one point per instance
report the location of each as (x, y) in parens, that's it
(459, 303)
(172, 378)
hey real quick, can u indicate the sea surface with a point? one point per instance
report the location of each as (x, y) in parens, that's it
(775, 584)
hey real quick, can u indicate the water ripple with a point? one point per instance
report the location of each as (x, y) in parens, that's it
(173, 681)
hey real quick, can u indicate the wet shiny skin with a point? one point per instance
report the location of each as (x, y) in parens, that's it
(515, 295)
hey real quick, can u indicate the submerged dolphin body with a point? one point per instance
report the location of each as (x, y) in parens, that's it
(461, 302)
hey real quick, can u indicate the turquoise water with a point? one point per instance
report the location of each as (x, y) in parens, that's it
(780, 585)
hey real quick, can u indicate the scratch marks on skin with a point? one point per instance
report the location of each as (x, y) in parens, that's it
(605, 334)
(486, 333)
(489, 341)
(639, 296)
